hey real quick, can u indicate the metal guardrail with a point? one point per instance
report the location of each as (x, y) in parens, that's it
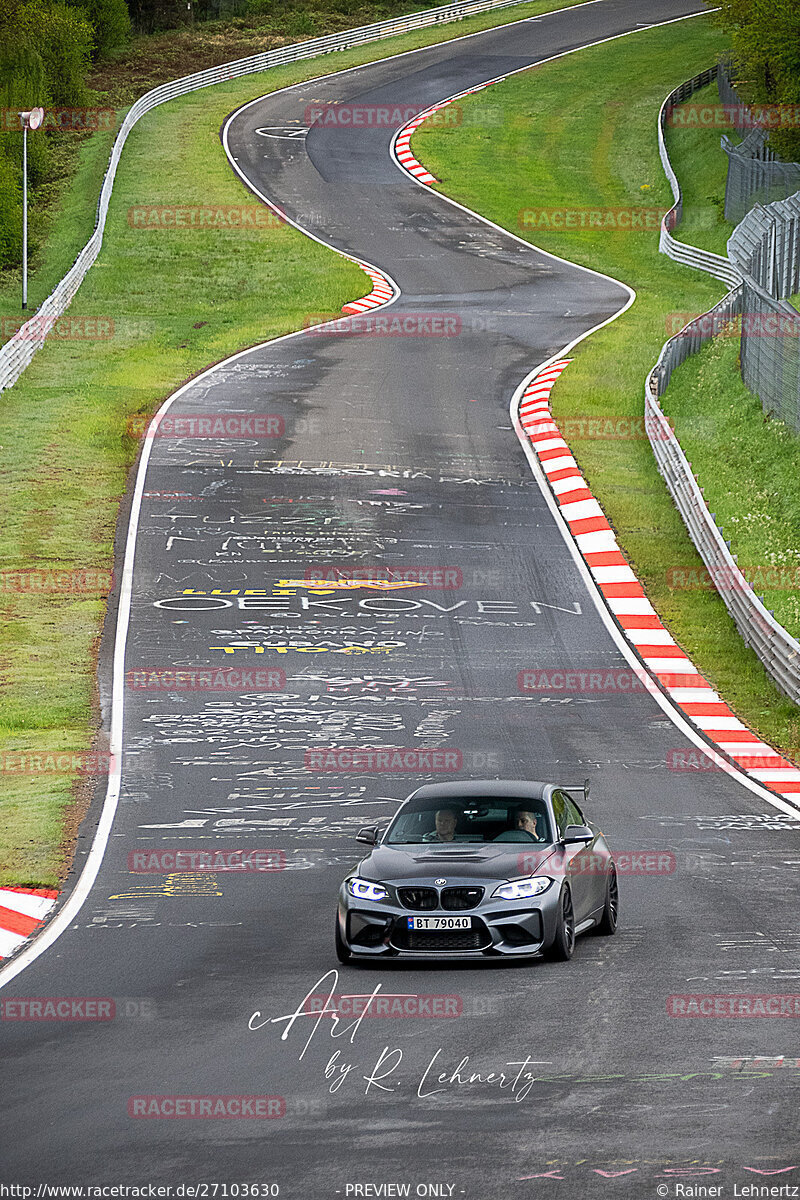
(755, 173)
(690, 256)
(18, 352)
(774, 645)
(765, 246)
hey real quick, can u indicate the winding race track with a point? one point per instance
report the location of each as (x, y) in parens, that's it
(399, 451)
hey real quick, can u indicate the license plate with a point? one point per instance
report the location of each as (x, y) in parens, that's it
(440, 923)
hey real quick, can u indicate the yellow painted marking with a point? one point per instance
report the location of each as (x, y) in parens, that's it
(319, 587)
(182, 883)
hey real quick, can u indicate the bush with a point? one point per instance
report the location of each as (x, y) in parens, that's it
(63, 38)
(23, 85)
(765, 35)
(110, 21)
(10, 213)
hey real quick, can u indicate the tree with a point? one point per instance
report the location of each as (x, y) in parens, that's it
(10, 214)
(765, 36)
(110, 21)
(45, 49)
(23, 85)
(64, 39)
(151, 16)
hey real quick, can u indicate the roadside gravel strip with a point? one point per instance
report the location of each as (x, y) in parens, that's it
(396, 448)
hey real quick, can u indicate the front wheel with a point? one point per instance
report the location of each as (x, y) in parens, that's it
(564, 942)
(608, 921)
(342, 949)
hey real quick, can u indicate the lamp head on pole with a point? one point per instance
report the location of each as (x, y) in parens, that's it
(32, 119)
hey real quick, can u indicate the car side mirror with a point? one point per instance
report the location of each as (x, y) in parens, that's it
(368, 835)
(577, 833)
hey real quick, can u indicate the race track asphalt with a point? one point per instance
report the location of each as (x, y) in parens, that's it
(397, 450)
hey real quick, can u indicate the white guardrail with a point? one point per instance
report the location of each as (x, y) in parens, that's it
(690, 256)
(17, 353)
(774, 645)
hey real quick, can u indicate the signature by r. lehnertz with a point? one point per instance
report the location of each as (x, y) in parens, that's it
(384, 1075)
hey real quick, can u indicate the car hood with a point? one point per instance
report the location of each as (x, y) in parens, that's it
(508, 860)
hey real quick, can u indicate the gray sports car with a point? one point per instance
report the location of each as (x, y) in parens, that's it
(479, 869)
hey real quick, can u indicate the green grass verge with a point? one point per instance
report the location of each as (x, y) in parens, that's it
(179, 301)
(748, 465)
(579, 134)
(64, 219)
(702, 167)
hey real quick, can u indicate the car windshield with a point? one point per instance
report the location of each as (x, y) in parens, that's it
(477, 821)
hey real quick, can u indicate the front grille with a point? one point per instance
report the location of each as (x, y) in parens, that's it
(419, 898)
(445, 939)
(461, 897)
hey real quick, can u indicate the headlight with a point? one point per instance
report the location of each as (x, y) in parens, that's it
(522, 889)
(364, 889)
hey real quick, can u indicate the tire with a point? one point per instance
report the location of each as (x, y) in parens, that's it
(607, 925)
(563, 943)
(342, 950)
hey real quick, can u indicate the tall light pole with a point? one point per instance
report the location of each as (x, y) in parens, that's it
(30, 120)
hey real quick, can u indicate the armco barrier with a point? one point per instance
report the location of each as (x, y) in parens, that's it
(776, 648)
(20, 349)
(690, 256)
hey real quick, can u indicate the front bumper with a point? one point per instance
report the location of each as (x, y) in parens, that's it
(499, 928)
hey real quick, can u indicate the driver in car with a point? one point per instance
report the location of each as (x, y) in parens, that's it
(528, 821)
(446, 822)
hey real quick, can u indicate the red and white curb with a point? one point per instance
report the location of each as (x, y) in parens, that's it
(382, 291)
(401, 142)
(22, 911)
(634, 613)
(402, 148)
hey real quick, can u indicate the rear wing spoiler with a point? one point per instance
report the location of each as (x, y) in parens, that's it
(579, 788)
